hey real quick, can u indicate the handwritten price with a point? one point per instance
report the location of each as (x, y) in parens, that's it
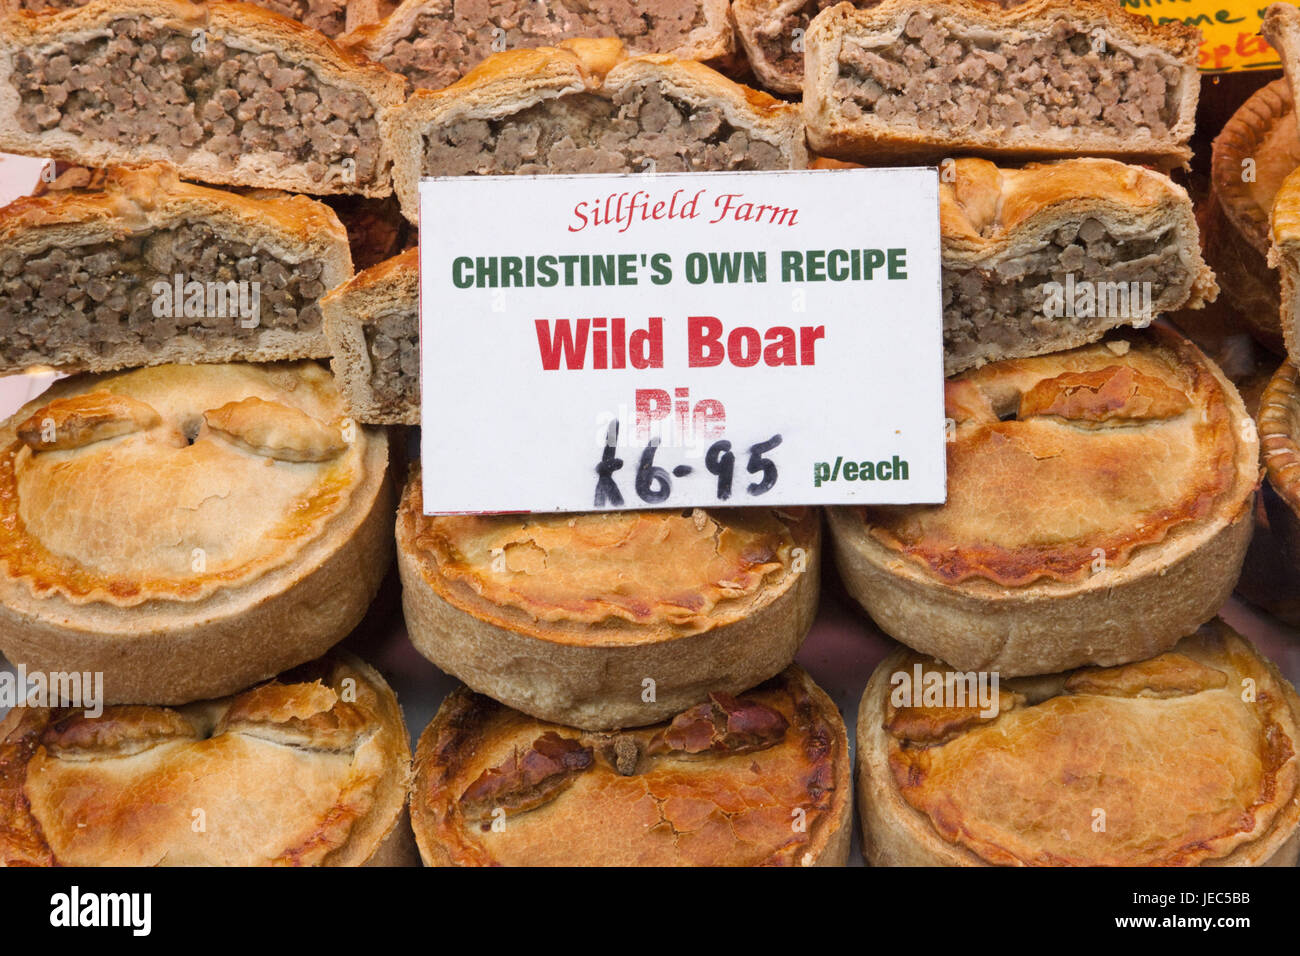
(653, 483)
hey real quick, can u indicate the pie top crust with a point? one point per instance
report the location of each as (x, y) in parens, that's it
(721, 784)
(170, 483)
(1058, 459)
(624, 576)
(308, 769)
(1184, 765)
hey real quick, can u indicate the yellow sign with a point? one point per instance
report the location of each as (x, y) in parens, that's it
(1230, 38)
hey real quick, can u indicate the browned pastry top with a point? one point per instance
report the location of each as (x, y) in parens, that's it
(609, 577)
(307, 769)
(1058, 459)
(172, 482)
(1184, 759)
(750, 780)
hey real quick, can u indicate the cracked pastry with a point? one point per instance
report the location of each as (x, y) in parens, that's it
(1099, 508)
(261, 101)
(372, 324)
(309, 769)
(1185, 759)
(433, 43)
(608, 619)
(911, 80)
(757, 779)
(88, 280)
(188, 530)
(1251, 158)
(585, 107)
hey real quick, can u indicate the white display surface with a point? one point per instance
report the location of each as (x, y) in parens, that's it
(681, 340)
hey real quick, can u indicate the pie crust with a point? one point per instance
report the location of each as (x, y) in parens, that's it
(757, 779)
(309, 769)
(1099, 508)
(137, 207)
(1186, 759)
(1284, 255)
(241, 28)
(1253, 155)
(609, 619)
(840, 128)
(710, 39)
(188, 530)
(508, 83)
(1279, 437)
(383, 302)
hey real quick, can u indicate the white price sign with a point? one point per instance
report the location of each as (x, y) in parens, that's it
(681, 340)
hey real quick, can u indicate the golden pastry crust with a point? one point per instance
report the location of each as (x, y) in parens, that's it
(761, 779)
(563, 616)
(189, 518)
(136, 201)
(1186, 759)
(713, 38)
(1284, 255)
(1279, 436)
(510, 82)
(1127, 467)
(310, 769)
(386, 289)
(1251, 158)
(876, 140)
(242, 26)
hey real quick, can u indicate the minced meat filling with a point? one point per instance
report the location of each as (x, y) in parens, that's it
(327, 16)
(779, 46)
(935, 77)
(640, 130)
(441, 49)
(87, 300)
(393, 340)
(145, 84)
(1010, 305)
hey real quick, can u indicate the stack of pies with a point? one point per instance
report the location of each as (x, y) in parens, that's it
(195, 518)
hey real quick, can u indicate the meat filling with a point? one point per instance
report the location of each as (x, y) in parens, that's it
(393, 341)
(146, 84)
(935, 77)
(86, 301)
(440, 49)
(1014, 304)
(327, 16)
(640, 130)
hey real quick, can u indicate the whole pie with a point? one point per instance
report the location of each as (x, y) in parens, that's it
(309, 769)
(188, 530)
(609, 619)
(1252, 156)
(761, 778)
(1099, 508)
(1185, 759)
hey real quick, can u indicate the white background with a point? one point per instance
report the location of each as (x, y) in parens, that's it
(502, 434)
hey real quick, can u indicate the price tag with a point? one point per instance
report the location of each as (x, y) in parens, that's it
(1230, 38)
(680, 340)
